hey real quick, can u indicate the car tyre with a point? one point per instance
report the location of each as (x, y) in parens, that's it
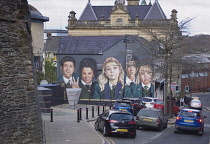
(97, 126)
(160, 128)
(105, 131)
(200, 133)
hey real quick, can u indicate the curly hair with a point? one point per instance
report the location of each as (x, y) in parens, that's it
(88, 62)
(68, 58)
(103, 79)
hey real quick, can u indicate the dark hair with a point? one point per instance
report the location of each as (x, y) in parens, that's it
(135, 60)
(88, 62)
(68, 58)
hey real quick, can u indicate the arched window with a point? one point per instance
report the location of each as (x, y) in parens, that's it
(119, 20)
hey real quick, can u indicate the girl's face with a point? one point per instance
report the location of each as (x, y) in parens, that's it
(112, 70)
(87, 75)
(146, 77)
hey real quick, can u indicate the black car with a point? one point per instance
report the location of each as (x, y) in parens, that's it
(137, 104)
(116, 122)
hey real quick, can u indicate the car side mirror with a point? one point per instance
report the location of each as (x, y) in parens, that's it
(204, 116)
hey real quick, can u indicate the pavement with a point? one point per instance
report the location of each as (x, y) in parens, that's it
(63, 127)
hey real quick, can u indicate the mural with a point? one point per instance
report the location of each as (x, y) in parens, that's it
(113, 82)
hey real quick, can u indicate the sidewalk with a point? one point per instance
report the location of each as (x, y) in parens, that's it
(66, 130)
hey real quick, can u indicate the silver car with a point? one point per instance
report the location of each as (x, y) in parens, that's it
(196, 103)
(152, 118)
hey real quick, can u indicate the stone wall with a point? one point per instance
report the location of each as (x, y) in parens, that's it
(20, 117)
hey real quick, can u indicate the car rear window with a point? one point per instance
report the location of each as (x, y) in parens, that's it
(159, 101)
(120, 117)
(196, 102)
(146, 100)
(123, 104)
(189, 114)
(148, 113)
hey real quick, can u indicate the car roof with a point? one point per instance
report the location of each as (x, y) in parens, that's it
(193, 110)
(129, 98)
(152, 109)
(149, 98)
(127, 101)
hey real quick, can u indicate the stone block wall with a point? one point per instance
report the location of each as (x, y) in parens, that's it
(20, 116)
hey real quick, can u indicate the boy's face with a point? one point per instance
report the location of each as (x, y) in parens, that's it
(87, 75)
(145, 77)
(68, 69)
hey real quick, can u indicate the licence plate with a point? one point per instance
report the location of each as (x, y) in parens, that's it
(188, 121)
(123, 109)
(147, 119)
(122, 130)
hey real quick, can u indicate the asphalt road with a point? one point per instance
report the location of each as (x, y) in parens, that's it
(167, 136)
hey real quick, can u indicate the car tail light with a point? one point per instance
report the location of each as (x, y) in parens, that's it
(131, 122)
(114, 107)
(137, 118)
(199, 120)
(133, 104)
(178, 118)
(113, 121)
(130, 108)
(157, 121)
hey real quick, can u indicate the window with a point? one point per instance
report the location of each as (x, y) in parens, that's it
(119, 20)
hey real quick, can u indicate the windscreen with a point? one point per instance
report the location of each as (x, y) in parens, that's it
(148, 113)
(189, 114)
(123, 104)
(120, 117)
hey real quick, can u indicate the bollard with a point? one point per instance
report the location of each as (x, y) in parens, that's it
(86, 113)
(93, 111)
(103, 107)
(98, 110)
(51, 111)
(110, 107)
(78, 115)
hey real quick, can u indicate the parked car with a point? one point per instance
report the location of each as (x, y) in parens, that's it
(136, 103)
(190, 120)
(123, 105)
(159, 104)
(116, 122)
(195, 103)
(149, 101)
(152, 118)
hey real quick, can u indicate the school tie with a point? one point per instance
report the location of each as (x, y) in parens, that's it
(146, 88)
(113, 90)
(68, 84)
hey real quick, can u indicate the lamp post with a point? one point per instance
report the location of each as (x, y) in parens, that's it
(126, 41)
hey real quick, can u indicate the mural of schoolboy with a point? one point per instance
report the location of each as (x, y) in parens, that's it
(88, 72)
(111, 81)
(68, 76)
(144, 86)
(131, 70)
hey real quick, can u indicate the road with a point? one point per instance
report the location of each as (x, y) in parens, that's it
(167, 136)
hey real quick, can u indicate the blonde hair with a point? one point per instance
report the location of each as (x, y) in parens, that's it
(103, 79)
(144, 68)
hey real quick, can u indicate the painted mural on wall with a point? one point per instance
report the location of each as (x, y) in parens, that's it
(113, 83)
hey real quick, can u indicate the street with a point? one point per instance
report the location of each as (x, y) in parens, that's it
(167, 136)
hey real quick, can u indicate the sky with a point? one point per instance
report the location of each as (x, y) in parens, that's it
(58, 11)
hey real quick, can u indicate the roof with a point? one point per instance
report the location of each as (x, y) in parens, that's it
(36, 15)
(52, 44)
(87, 44)
(143, 11)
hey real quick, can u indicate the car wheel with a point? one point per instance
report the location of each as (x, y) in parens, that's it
(160, 128)
(96, 126)
(104, 131)
(166, 124)
(200, 133)
(137, 127)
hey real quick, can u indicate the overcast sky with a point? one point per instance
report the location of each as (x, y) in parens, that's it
(58, 11)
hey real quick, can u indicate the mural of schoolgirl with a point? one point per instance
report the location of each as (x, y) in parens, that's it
(69, 77)
(144, 86)
(111, 81)
(87, 70)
